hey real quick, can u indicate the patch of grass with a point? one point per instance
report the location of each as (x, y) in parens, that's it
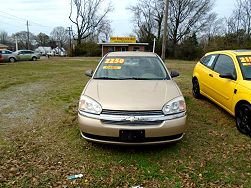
(40, 144)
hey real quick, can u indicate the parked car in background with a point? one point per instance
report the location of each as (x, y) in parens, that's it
(6, 54)
(132, 99)
(50, 54)
(24, 55)
(225, 78)
(1, 57)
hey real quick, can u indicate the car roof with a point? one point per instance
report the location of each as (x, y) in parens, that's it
(234, 52)
(131, 54)
(5, 50)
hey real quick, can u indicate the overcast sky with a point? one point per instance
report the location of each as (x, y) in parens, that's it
(44, 15)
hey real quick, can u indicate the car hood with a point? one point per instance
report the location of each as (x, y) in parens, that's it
(132, 94)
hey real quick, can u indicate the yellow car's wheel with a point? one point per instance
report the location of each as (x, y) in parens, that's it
(243, 119)
(196, 88)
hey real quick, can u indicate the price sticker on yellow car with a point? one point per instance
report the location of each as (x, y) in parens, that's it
(112, 67)
(246, 61)
(115, 61)
(246, 64)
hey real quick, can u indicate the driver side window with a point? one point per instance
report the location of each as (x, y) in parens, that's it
(224, 65)
(208, 60)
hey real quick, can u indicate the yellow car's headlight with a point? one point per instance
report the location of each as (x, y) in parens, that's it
(175, 106)
(87, 104)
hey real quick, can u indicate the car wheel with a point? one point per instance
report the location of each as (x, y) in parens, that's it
(12, 59)
(243, 119)
(196, 88)
(34, 58)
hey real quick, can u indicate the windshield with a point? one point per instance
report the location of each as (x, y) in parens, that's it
(245, 64)
(135, 68)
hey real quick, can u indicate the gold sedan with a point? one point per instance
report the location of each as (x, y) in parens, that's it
(132, 99)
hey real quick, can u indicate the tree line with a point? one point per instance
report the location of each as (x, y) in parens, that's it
(193, 27)
(58, 37)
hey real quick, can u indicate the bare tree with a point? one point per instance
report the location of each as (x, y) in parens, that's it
(60, 35)
(235, 21)
(89, 17)
(214, 27)
(239, 23)
(148, 17)
(3, 37)
(186, 17)
(43, 39)
(104, 31)
(22, 39)
(245, 14)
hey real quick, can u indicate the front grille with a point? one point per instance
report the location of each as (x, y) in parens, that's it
(128, 123)
(132, 113)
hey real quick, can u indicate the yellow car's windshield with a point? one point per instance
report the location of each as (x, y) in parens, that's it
(134, 68)
(245, 64)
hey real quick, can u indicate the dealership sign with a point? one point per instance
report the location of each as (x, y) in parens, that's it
(122, 39)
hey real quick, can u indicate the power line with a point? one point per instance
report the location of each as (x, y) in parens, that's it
(10, 18)
(13, 15)
(39, 25)
(24, 20)
(17, 26)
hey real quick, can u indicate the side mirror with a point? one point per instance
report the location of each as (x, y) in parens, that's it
(174, 74)
(89, 73)
(228, 76)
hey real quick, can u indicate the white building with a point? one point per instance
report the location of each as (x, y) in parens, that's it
(43, 50)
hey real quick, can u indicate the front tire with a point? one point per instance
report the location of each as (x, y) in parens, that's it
(196, 88)
(34, 58)
(243, 119)
(12, 60)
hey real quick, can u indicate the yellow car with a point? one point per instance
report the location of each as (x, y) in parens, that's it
(225, 78)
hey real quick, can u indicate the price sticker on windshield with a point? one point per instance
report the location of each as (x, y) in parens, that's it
(115, 61)
(112, 67)
(246, 61)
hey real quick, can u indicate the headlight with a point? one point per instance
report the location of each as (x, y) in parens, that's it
(89, 105)
(174, 106)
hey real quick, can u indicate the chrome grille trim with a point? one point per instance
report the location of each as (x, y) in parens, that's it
(132, 118)
(132, 113)
(128, 123)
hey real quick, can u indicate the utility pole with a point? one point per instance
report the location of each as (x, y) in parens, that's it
(163, 55)
(16, 43)
(154, 44)
(28, 35)
(69, 29)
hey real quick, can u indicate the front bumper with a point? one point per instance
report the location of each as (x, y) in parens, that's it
(100, 128)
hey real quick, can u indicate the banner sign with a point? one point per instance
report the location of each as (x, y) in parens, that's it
(122, 39)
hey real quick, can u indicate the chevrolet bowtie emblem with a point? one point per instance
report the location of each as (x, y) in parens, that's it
(133, 118)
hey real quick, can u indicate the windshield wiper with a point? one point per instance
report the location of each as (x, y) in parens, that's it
(106, 78)
(130, 78)
(136, 78)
